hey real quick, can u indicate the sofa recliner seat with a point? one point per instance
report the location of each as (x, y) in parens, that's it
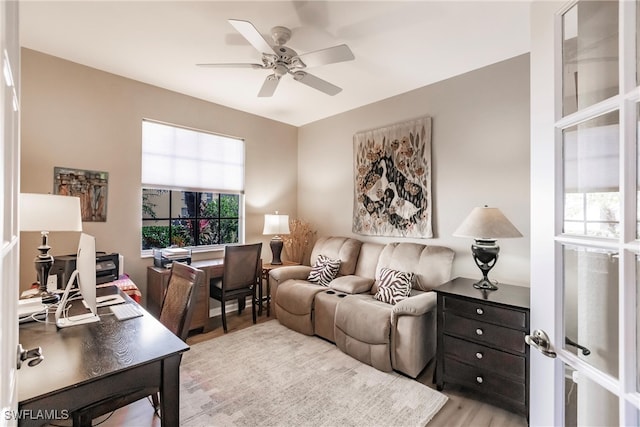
(411, 339)
(294, 296)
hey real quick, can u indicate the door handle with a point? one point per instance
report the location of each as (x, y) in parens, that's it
(34, 356)
(540, 341)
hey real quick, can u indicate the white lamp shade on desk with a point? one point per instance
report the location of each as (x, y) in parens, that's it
(48, 212)
(45, 213)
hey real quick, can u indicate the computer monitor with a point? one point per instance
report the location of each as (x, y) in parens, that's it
(86, 274)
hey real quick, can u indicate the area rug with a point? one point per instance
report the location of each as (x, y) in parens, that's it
(269, 375)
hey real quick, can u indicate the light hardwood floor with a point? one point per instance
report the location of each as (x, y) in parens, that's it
(461, 410)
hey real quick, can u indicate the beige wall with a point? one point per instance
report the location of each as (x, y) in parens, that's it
(480, 154)
(78, 117)
(74, 116)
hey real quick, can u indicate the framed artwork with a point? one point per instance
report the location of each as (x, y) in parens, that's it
(90, 186)
(392, 171)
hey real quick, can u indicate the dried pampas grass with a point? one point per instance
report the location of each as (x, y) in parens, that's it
(299, 240)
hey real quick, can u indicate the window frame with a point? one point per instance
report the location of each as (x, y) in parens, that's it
(172, 189)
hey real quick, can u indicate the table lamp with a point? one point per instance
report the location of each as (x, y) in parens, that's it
(276, 225)
(486, 225)
(45, 213)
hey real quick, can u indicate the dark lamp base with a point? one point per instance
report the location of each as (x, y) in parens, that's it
(485, 284)
(485, 254)
(276, 249)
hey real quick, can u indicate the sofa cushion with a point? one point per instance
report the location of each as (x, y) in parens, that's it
(324, 270)
(351, 284)
(343, 248)
(394, 286)
(431, 265)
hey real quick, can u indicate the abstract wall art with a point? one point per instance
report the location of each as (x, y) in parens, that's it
(392, 170)
(90, 186)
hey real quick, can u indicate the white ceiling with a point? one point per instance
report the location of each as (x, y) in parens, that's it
(399, 46)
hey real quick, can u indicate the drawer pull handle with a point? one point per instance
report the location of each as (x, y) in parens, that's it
(479, 331)
(479, 311)
(479, 379)
(479, 355)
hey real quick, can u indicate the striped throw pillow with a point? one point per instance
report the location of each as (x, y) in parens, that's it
(324, 270)
(394, 286)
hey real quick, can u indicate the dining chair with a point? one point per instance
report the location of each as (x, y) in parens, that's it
(239, 280)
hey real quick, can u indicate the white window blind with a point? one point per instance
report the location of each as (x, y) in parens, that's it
(174, 157)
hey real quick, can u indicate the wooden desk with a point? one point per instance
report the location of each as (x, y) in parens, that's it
(85, 364)
(158, 280)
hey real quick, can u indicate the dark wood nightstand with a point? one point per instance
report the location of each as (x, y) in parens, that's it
(481, 342)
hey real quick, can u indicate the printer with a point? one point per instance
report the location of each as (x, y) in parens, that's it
(107, 268)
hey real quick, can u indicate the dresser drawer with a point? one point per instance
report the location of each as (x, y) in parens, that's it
(498, 336)
(485, 358)
(487, 313)
(487, 381)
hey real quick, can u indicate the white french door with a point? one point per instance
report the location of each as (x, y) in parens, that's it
(9, 182)
(585, 251)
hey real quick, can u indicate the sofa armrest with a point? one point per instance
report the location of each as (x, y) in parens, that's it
(282, 274)
(300, 272)
(416, 305)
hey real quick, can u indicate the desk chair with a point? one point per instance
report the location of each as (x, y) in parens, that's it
(178, 303)
(240, 278)
(175, 315)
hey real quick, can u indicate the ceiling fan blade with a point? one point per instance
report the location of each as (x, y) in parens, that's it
(241, 65)
(330, 55)
(252, 35)
(269, 86)
(316, 83)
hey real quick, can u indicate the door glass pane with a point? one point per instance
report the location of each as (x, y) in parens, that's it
(587, 403)
(589, 54)
(591, 177)
(591, 306)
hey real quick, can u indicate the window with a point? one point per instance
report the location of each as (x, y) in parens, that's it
(192, 187)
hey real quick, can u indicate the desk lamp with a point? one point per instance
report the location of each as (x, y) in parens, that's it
(276, 225)
(45, 213)
(486, 225)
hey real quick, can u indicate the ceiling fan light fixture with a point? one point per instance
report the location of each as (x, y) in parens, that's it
(280, 35)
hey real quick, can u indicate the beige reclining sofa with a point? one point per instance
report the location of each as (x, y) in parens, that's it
(396, 335)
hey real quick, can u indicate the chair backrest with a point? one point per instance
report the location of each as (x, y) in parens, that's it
(179, 300)
(241, 263)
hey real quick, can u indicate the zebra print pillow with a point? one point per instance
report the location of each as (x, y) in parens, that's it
(324, 270)
(394, 286)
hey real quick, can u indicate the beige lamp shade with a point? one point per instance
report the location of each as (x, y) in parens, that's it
(276, 224)
(48, 212)
(487, 223)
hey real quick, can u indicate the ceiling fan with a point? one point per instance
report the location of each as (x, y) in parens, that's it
(283, 60)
